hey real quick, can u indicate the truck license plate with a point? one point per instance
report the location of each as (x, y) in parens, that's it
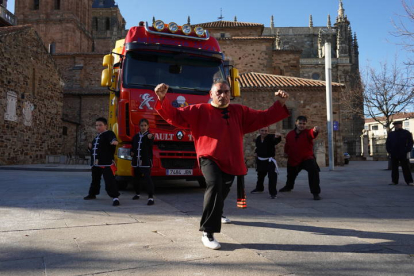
(179, 172)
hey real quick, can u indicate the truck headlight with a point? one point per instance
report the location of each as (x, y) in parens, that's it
(124, 153)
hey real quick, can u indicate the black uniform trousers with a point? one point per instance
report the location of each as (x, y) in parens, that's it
(139, 171)
(405, 165)
(218, 186)
(312, 168)
(271, 172)
(110, 185)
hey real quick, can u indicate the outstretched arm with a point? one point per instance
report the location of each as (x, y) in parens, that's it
(256, 119)
(174, 116)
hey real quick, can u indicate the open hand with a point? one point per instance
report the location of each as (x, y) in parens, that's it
(316, 129)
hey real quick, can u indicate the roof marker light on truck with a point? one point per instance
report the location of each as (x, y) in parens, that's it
(186, 28)
(173, 27)
(199, 31)
(158, 25)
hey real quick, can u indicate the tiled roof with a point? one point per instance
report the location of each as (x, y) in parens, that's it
(393, 118)
(228, 24)
(247, 38)
(260, 80)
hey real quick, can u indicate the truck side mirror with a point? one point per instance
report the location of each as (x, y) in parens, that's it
(234, 82)
(106, 77)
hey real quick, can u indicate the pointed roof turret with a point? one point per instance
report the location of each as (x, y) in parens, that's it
(272, 22)
(329, 21)
(310, 21)
(235, 18)
(341, 13)
(188, 20)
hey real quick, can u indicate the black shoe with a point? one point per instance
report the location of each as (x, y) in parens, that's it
(256, 191)
(392, 183)
(316, 197)
(88, 197)
(285, 189)
(135, 197)
(116, 202)
(150, 201)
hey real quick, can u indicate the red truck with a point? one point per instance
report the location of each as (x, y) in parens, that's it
(186, 58)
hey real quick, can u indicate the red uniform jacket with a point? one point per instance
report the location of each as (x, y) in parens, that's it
(299, 147)
(219, 135)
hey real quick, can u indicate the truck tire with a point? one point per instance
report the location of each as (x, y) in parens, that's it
(202, 182)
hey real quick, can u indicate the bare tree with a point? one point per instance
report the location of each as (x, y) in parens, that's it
(404, 27)
(387, 91)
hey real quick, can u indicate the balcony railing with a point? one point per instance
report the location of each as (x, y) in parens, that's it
(6, 17)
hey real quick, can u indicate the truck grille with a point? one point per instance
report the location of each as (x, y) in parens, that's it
(162, 124)
(178, 163)
(175, 146)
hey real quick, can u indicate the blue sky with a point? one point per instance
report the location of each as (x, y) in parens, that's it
(370, 19)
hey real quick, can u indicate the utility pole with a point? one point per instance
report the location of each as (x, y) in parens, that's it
(329, 113)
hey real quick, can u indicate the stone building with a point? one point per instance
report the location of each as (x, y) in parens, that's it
(108, 25)
(298, 52)
(258, 93)
(64, 26)
(30, 98)
(77, 34)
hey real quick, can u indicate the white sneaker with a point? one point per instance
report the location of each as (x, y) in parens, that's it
(225, 220)
(209, 241)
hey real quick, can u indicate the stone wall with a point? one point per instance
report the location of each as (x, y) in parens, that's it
(69, 27)
(249, 55)
(30, 98)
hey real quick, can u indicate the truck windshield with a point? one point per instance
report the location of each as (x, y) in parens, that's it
(182, 72)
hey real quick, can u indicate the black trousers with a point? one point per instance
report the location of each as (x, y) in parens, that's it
(312, 168)
(405, 165)
(110, 185)
(271, 173)
(218, 187)
(139, 171)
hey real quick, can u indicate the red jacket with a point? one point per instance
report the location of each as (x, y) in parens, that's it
(299, 147)
(218, 138)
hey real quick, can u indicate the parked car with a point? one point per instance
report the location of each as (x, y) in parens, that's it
(346, 157)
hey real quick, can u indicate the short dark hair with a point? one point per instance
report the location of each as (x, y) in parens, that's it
(301, 118)
(222, 81)
(102, 119)
(143, 120)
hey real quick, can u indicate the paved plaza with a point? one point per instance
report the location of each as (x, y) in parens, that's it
(362, 226)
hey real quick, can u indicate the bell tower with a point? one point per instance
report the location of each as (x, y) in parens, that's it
(63, 25)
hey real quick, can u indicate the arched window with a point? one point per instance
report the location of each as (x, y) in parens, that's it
(108, 24)
(57, 4)
(35, 4)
